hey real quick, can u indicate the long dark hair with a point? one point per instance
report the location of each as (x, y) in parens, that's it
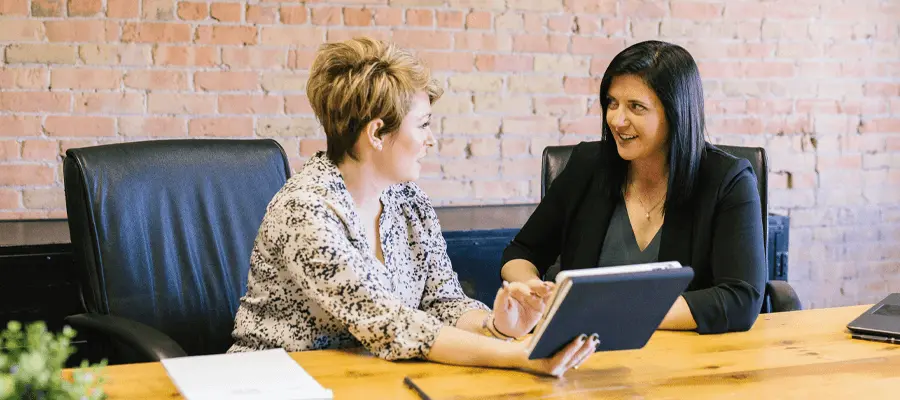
(670, 71)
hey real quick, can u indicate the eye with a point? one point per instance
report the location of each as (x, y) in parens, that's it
(425, 125)
(638, 107)
(612, 104)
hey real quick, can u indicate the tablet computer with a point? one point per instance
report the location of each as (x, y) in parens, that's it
(623, 305)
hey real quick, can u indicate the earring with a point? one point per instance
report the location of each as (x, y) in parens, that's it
(378, 146)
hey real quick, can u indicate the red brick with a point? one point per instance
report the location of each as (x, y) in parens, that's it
(21, 30)
(561, 106)
(14, 7)
(43, 150)
(300, 59)
(769, 70)
(82, 31)
(491, 103)
(726, 106)
(23, 78)
(326, 15)
(261, 14)
(603, 7)
(821, 106)
(420, 17)
(357, 16)
(427, 39)
(309, 147)
(562, 24)
(155, 80)
(41, 54)
(123, 8)
(639, 9)
(476, 4)
(44, 198)
(589, 86)
(772, 106)
(471, 125)
(541, 43)
(19, 126)
(338, 34)
(221, 127)
(226, 12)
(514, 147)
(9, 150)
(77, 78)
(153, 126)
(729, 125)
(294, 15)
(484, 147)
(284, 82)
(389, 16)
(158, 9)
(250, 104)
(79, 126)
(720, 69)
(534, 23)
(109, 103)
(882, 89)
(814, 69)
(84, 8)
(156, 32)
(883, 125)
(292, 36)
(253, 58)
(461, 62)
(228, 35)
(531, 125)
(523, 168)
(10, 199)
(297, 105)
(478, 20)
(452, 147)
(47, 8)
(190, 11)
(288, 127)
(180, 103)
(18, 175)
(482, 41)
(500, 190)
(34, 101)
(839, 162)
(224, 80)
(504, 63)
(696, 10)
(449, 19)
(201, 56)
(468, 169)
(443, 190)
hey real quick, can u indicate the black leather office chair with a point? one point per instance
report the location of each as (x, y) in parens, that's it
(162, 233)
(779, 296)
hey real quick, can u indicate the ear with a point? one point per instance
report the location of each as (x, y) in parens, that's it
(371, 133)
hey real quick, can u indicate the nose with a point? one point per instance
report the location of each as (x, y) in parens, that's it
(616, 119)
(430, 141)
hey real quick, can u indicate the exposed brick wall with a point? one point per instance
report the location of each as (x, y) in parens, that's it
(815, 82)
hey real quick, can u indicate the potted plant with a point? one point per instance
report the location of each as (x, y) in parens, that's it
(31, 363)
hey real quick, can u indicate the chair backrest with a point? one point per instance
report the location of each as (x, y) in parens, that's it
(162, 230)
(555, 158)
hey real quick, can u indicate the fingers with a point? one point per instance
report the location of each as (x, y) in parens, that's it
(562, 361)
(540, 288)
(526, 297)
(586, 350)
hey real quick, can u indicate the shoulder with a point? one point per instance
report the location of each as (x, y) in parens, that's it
(412, 201)
(720, 170)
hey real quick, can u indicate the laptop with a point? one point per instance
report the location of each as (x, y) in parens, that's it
(881, 320)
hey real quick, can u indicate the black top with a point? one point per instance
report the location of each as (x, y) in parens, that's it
(620, 246)
(718, 233)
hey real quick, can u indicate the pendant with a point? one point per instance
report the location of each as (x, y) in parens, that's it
(648, 216)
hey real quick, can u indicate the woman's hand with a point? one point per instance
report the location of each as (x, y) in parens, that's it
(571, 356)
(518, 308)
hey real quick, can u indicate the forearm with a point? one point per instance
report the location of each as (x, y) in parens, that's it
(519, 270)
(459, 347)
(679, 317)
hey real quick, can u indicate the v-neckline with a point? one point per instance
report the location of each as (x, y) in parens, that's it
(632, 235)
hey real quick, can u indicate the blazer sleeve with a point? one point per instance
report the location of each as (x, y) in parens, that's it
(539, 239)
(334, 274)
(738, 260)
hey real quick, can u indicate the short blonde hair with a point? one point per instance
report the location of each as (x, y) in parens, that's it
(356, 81)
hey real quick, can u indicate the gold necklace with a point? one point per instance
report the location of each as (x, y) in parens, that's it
(646, 211)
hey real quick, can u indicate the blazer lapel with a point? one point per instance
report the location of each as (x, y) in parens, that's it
(677, 230)
(590, 229)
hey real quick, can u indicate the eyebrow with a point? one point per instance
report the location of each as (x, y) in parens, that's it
(641, 102)
(426, 116)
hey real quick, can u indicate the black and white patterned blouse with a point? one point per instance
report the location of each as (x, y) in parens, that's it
(315, 283)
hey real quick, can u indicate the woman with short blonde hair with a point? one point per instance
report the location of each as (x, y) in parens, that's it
(350, 251)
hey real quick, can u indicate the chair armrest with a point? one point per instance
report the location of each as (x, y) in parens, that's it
(783, 296)
(149, 344)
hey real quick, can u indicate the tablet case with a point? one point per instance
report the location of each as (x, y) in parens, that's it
(623, 309)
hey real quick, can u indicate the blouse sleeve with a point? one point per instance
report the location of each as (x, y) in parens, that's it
(443, 296)
(334, 274)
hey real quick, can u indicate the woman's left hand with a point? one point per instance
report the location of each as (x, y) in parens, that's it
(517, 309)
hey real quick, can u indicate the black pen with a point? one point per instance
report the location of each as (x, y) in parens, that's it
(410, 384)
(883, 339)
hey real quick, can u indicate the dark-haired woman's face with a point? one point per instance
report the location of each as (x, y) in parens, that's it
(636, 118)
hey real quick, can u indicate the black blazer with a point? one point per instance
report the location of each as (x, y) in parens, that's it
(718, 233)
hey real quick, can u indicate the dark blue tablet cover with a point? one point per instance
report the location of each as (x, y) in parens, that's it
(623, 309)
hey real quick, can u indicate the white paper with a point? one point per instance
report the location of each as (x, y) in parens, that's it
(264, 374)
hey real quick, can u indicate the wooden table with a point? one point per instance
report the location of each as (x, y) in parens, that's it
(799, 355)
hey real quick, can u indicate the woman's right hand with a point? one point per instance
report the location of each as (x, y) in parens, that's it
(571, 356)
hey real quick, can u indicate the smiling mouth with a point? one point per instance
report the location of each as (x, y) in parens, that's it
(625, 137)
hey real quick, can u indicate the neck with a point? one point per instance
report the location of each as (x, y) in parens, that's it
(363, 183)
(649, 173)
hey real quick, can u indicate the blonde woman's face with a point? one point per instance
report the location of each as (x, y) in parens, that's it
(404, 149)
